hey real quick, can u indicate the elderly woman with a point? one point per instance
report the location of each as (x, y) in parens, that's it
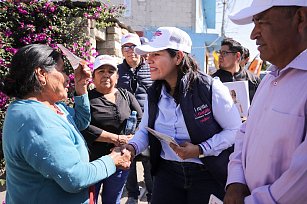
(46, 157)
(110, 108)
(198, 115)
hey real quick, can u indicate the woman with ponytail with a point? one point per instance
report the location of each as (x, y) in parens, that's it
(195, 111)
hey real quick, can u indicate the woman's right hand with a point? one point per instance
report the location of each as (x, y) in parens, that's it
(123, 139)
(121, 158)
(82, 77)
(129, 148)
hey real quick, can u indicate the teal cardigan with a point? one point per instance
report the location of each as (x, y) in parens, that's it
(46, 157)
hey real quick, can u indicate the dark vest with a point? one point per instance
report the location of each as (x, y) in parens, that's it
(196, 106)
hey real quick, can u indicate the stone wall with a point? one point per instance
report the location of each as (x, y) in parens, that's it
(107, 41)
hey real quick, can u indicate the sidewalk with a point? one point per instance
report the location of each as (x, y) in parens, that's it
(142, 197)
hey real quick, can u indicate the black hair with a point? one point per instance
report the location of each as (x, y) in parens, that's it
(233, 45)
(21, 79)
(245, 53)
(187, 66)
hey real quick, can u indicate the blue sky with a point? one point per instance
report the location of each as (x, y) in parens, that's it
(240, 33)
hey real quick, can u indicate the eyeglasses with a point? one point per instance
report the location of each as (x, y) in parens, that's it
(225, 53)
(126, 48)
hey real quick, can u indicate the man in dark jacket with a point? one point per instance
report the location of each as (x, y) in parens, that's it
(229, 62)
(134, 75)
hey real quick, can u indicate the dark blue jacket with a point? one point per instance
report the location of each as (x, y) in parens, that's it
(196, 106)
(136, 82)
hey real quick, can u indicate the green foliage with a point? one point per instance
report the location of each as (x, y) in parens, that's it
(48, 22)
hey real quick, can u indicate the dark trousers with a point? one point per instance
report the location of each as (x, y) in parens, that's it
(112, 187)
(132, 183)
(184, 183)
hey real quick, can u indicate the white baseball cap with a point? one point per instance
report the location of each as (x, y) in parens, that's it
(144, 40)
(164, 38)
(245, 16)
(131, 38)
(105, 60)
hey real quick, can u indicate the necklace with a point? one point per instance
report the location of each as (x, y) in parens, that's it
(58, 110)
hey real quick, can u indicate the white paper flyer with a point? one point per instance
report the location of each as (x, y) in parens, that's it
(240, 96)
(162, 136)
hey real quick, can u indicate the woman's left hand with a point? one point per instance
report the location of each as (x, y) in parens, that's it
(82, 77)
(186, 150)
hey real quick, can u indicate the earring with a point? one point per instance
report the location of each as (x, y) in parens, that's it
(43, 83)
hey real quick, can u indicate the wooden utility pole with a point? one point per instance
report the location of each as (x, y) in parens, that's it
(223, 19)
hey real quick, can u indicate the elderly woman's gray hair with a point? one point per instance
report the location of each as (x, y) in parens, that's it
(22, 79)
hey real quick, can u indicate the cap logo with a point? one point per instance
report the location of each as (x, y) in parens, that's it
(166, 38)
(157, 33)
(128, 36)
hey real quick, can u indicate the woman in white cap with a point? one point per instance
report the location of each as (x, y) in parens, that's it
(110, 108)
(192, 110)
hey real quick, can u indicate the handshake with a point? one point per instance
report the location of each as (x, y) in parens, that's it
(122, 156)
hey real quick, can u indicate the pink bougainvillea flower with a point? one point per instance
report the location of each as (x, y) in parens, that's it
(52, 9)
(91, 66)
(2, 62)
(22, 11)
(8, 33)
(11, 50)
(3, 100)
(22, 24)
(47, 4)
(40, 37)
(26, 40)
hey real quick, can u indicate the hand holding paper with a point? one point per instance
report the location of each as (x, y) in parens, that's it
(74, 60)
(162, 136)
(214, 200)
(186, 150)
(82, 77)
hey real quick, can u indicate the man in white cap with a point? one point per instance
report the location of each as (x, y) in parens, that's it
(134, 74)
(269, 164)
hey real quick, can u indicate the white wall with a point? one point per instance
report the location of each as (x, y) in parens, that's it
(156, 13)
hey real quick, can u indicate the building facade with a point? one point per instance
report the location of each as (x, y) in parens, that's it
(196, 17)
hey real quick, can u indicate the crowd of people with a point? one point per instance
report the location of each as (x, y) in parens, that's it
(55, 153)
